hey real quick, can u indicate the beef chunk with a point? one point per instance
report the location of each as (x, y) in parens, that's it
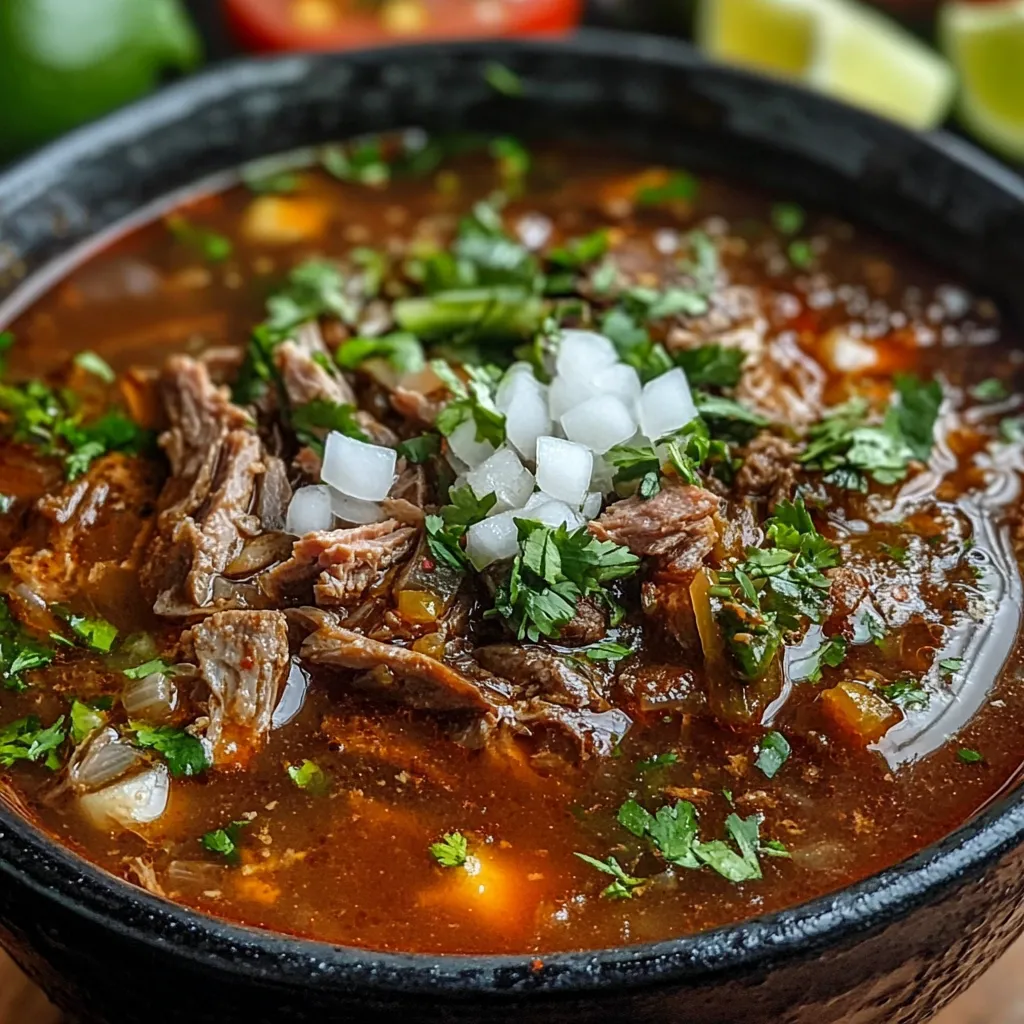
(418, 408)
(93, 528)
(677, 525)
(657, 688)
(275, 494)
(243, 659)
(769, 468)
(569, 734)
(588, 625)
(343, 563)
(540, 672)
(406, 676)
(303, 363)
(207, 506)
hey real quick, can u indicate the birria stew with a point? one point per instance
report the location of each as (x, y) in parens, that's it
(449, 546)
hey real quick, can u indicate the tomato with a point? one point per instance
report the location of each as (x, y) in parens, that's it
(266, 25)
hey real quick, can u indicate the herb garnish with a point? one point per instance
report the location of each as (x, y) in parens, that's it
(680, 185)
(316, 418)
(607, 650)
(446, 529)
(788, 218)
(419, 449)
(452, 851)
(556, 567)
(948, 666)
(471, 400)
(774, 751)
(578, 252)
(831, 652)
(657, 761)
(96, 365)
(624, 885)
(27, 740)
(20, 652)
(967, 756)
(213, 247)
(310, 777)
(906, 693)
(183, 752)
(400, 348)
(225, 841)
(85, 718)
(95, 633)
(990, 390)
(711, 366)
(503, 79)
(148, 668)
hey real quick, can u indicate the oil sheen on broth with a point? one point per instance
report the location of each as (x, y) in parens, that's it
(755, 641)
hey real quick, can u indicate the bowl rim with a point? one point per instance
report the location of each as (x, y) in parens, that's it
(33, 860)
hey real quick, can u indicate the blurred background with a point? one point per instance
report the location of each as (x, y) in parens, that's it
(953, 64)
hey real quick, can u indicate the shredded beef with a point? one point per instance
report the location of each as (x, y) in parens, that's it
(541, 672)
(400, 673)
(677, 525)
(207, 506)
(340, 564)
(303, 364)
(588, 625)
(415, 406)
(95, 526)
(243, 659)
(769, 468)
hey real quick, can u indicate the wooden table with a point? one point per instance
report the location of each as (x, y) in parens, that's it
(997, 999)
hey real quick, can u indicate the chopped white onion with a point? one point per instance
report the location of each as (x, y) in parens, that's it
(592, 505)
(599, 423)
(527, 419)
(556, 513)
(354, 511)
(504, 476)
(603, 478)
(620, 380)
(309, 510)
(466, 447)
(492, 540)
(292, 697)
(518, 379)
(566, 393)
(666, 405)
(582, 353)
(105, 758)
(137, 800)
(151, 699)
(564, 469)
(357, 469)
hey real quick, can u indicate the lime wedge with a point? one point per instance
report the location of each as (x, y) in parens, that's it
(986, 44)
(838, 46)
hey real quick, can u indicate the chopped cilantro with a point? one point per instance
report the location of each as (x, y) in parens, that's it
(213, 247)
(6, 344)
(607, 650)
(723, 859)
(800, 254)
(85, 718)
(20, 652)
(275, 183)
(513, 159)
(906, 693)
(555, 567)
(97, 634)
(503, 79)
(990, 390)
(360, 162)
(320, 415)
(896, 552)
(314, 288)
(868, 628)
(419, 449)
(788, 218)
(634, 344)
(578, 252)
(652, 304)
(950, 665)
(96, 365)
(183, 753)
(772, 755)
(310, 777)
(446, 529)
(711, 366)
(148, 668)
(681, 185)
(831, 652)
(472, 400)
(452, 851)
(650, 485)
(225, 841)
(1011, 429)
(401, 349)
(657, 761)
(623, 887)
(27, 740)
(967, 756)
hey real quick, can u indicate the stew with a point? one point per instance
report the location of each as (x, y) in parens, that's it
(456, 547)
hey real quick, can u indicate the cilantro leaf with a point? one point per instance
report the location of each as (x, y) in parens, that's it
(681, 185)
(967, 756)
(361, 162)
(503, 79)
(27, 740)
(85, 718)
(310, 777)
(184, 753)
(400, 348)
(148, 668)
(212, 246)
(948, 666)
(20, 652)
(623, 887)
(313, 419)
(772, 754)
(906, 693)
(657, 761)
(96, 365)
(711, 366)
(831, 652)
(471, 400)
(452, 851)
(314, 288)
(578, 252)
(97, 634)
(717, 854)
(225, 841)
(989, 390)
(607, 650)
(418, 450)
(446, 529)
(788, 218)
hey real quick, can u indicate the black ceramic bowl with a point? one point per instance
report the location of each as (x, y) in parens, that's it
(891, 949)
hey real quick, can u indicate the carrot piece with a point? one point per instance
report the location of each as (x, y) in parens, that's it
(858, 712)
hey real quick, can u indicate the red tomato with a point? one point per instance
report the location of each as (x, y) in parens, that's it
(266, 25)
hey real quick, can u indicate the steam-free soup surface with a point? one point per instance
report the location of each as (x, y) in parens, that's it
(756, 640)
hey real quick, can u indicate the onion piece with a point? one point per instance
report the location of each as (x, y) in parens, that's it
(504, 476)
(151, 699)
(103, 758)
(599, 423)
(137, 800)
(492, 540)
(358, 469)
(582, 353)
(592, 505)
(309, 511)
(622, 381)
(352, 510)
(526, 420)
(519, 379)
(566, 393)
(466, 448)
(666, 405)
(564, 469)
(293, 696)
(556, 513)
